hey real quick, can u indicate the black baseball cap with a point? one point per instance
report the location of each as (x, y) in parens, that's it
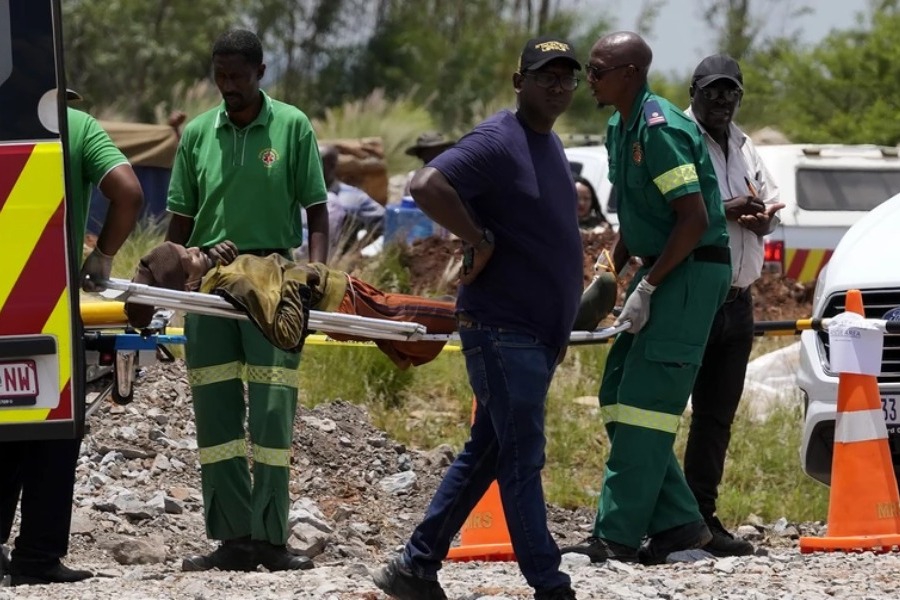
(541, 50)
(715, 67)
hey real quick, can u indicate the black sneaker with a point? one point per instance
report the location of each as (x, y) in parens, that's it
(54, 573)
(600, 550)
(683, 537)
(231, 555)
(724, 543)
(558, 593)
(278, 558)
(397, 581)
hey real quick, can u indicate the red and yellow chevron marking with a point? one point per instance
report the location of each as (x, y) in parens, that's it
(34, 294)
(804, 264)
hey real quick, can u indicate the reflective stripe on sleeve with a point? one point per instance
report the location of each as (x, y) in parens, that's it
(226, 451)
(274, 457)
(215, 373)
(860, 426)
(639, 417)
(675, 178)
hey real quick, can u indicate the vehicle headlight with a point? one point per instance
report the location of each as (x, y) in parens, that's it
(820, 287)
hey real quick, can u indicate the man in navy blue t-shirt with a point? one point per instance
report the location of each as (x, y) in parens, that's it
(506, 191)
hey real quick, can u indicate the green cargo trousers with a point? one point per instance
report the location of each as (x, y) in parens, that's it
(222, 354)
(645, 388)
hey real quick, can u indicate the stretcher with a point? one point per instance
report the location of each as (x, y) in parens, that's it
(113, 347)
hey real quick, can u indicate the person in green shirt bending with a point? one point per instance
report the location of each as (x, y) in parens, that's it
(243, 172)
(671, 216)
(42, 472)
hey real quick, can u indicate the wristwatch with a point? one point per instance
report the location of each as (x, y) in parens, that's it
(487, 239)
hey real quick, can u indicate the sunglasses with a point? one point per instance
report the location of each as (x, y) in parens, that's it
(548, 80)
(729, 94)
(597, 73)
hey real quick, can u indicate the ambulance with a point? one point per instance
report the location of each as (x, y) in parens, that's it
(41, 347)
(826, 189)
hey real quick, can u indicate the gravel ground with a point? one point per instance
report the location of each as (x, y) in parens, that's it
(356, 496)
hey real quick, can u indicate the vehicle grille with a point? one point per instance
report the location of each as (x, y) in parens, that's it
(876, 303)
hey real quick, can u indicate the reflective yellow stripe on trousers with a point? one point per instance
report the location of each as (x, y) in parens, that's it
(274, 457)
(249, 373)
(639, 417)
(226, 451)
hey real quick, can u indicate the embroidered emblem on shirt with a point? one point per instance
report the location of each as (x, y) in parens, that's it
(268, 156)
(637, 153)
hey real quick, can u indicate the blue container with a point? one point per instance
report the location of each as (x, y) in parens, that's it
(404, 222)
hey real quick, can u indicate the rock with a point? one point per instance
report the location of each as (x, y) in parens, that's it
(399, 483)
(137, 551)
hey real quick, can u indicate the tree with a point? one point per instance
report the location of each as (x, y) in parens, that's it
(134, 56)
(847, 88)
(740, 28)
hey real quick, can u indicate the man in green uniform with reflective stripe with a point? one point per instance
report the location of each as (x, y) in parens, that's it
(670, 215)
(243, 172)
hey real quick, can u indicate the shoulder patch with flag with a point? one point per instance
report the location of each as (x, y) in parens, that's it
(653, 113)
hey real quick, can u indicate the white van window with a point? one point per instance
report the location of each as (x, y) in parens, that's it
(844, 189)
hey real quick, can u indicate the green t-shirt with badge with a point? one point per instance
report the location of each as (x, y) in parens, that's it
(247, 184)
(657, 156)
(92, 154)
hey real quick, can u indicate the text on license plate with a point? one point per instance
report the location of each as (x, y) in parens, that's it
(890, 407)
(18, 379)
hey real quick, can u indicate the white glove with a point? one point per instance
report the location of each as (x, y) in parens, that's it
(95, 271)
(637, 307)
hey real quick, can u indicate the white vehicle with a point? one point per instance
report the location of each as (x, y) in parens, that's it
(826, 189)
(865, 259)
(592, 163)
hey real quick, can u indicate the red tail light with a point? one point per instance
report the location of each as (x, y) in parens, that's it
(774, 251)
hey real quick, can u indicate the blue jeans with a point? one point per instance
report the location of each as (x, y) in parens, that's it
(510, 373)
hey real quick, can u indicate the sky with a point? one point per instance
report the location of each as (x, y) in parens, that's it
(681, 38)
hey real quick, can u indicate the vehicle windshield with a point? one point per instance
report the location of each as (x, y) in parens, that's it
(844, 189)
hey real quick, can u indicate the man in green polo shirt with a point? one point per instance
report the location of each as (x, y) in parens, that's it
(243, 172)
(670, 215)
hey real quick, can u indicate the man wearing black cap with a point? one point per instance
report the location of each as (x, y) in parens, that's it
(505, 189)
(750, 201)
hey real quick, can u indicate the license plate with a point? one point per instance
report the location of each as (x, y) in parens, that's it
(890, 408)
(18, 383)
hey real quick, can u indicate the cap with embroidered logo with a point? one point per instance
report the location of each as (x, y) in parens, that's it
(541, 50)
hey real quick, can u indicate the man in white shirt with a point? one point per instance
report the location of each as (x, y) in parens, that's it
(751, 202)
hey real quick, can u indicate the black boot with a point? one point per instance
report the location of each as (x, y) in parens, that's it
(277, 557)
(723, 543)
(683, 537)
(44, 574)
(600, 550)
(231, 555)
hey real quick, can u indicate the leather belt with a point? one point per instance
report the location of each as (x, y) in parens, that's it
(711, 254)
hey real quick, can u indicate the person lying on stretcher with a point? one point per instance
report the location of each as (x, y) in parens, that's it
(277, 295)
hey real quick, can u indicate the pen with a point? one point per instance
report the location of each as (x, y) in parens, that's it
(750, 187)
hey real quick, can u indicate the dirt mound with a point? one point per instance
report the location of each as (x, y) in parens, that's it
(433, 262)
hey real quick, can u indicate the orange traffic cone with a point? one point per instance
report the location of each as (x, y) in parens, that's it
(864, 504)
(484, 535)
